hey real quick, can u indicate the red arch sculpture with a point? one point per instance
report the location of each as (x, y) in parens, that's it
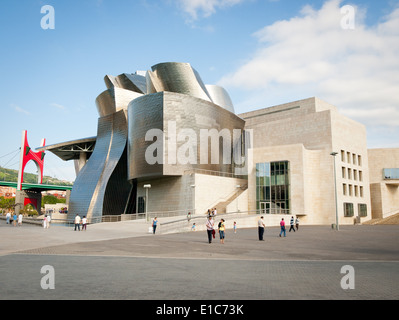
(27, 155)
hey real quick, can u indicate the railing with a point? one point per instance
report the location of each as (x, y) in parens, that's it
(234, 193)
(390, 213)
(181, 218)
(212, 173)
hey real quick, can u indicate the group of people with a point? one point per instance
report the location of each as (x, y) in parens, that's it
(294, 223)
(212, 212)
(46, 221)
(80, 221)
(221, 228)
(15, 219)
(210, 228)
(282, 225)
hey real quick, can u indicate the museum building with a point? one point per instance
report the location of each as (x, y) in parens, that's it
(169, 144)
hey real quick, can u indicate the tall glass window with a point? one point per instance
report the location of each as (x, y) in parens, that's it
(362, 209)
(348, 209)
(273, 187)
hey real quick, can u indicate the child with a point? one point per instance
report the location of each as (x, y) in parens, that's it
(235, 227)
(193, 227)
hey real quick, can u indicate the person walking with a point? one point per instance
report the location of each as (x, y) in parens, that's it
(297, 223)
(291, 224)
(77, 222)
(14, 219)
(235, 227)
(48, 221)
(8, 217)
(282, 226)
(45, 222)
(261, 228)
(20, 219)
(84, 223)
(209, 228)
(221, 231)
(154, 225)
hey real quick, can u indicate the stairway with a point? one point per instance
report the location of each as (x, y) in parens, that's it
(221, 206)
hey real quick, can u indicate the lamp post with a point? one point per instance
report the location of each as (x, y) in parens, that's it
(336, 197)
(193, 187)
(146, 187)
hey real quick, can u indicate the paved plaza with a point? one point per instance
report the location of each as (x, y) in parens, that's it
(123, 261)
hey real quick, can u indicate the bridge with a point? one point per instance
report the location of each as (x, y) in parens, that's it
(30, 193)
(35, 186)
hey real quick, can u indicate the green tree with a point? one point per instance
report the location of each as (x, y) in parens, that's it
(7, 204)
(50, 199)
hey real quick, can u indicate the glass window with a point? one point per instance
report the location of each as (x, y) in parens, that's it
(362, 210)
(354, 158)
(348, 157)
(356, 191)
(343, 172)
(141, 205)
(391, 174)
(361, 191)
(355, 175)
(272, 186)
(359, 160)
(349, 173)
(360, 175)
(344, 189)
(342, 155)
(348, 209)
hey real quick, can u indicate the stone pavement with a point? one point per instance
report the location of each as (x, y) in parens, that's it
(123, 261)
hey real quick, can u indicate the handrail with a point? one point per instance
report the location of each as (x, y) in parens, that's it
(213, 173)
(229, 196)
(390, 213)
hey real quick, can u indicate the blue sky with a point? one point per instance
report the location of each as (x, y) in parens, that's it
(264, 52)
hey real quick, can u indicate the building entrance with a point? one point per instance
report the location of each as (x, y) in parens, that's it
(265, 207)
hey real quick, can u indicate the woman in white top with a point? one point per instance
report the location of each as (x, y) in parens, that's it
(84, 223)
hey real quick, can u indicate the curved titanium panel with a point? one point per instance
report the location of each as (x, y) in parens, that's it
(132, 82)
(220, 97)
(180, 78)
(88, 193)
(114, 99)
(160, 112)
(153, 83)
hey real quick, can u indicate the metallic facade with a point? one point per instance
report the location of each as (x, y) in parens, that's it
(114, 99)
(90, 191)
(168, 111)
(220, 97)
(170, 94)
(179, 78)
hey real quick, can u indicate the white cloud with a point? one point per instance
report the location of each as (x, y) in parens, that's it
(19, 109)
(195, 8)
(58, 106)
(312, 55)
